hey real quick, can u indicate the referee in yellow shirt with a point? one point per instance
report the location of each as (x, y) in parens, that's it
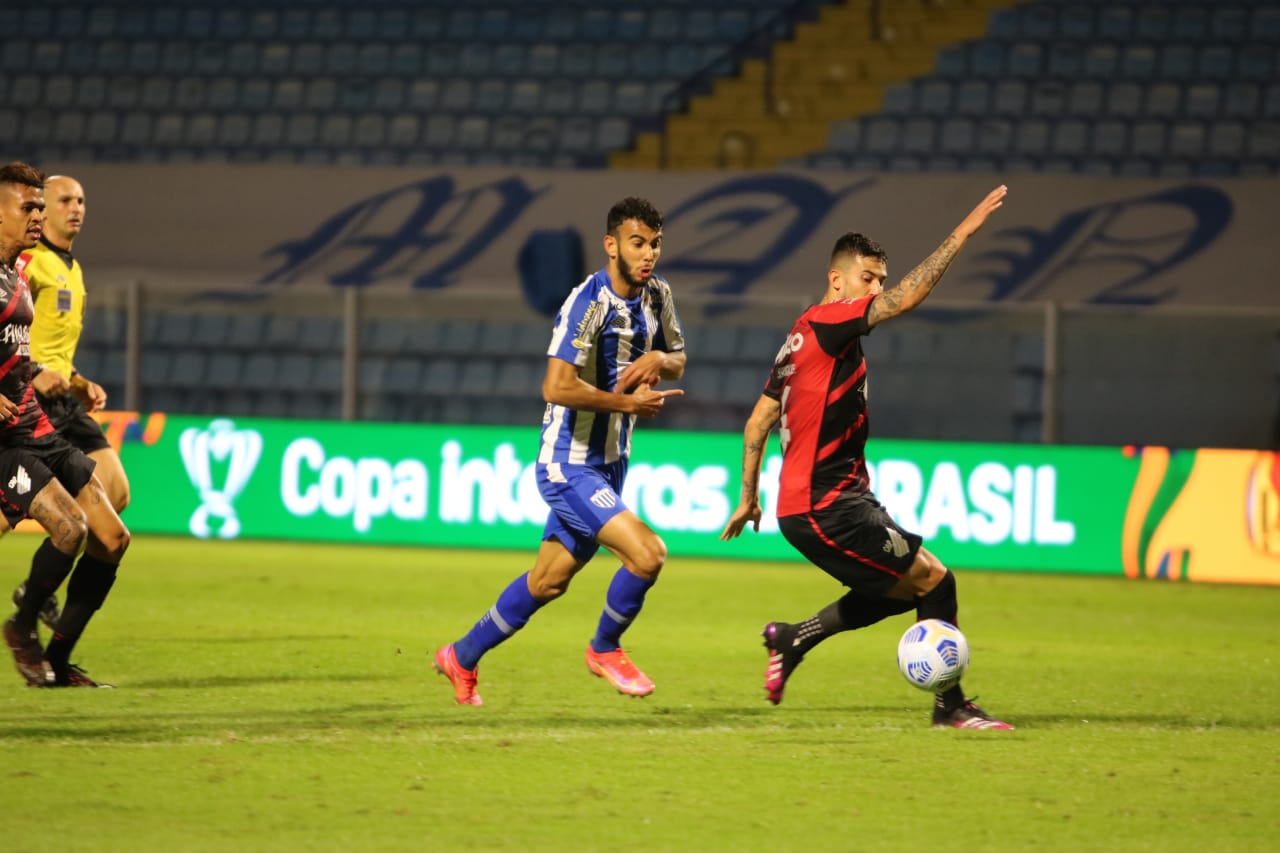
(57, 287)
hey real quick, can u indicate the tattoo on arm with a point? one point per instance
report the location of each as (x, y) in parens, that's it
(754, 441)
(913, 289)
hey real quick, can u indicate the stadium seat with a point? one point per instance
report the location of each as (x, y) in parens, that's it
(1263, 140)
(952, 62)
(881, 135)
(1076, 23)
(987, 59)
(1163, 100)
(935, 97)
(898, 99)
(1115, 22)
(1031, 136)
(1039, 22)
(1226, 140)
(845, 136)
(261, 372)
(1048, 98)
(994, 136)
(1189, 23)
(973, 97)
(188, 368)
(1264, 23)
(957, 136)
(1271, 101)
(1186, 139)
(225, 370)
(1148, 139)
(1025, 60)
(1229, 24)
(1109, 137)
(918, 135)
(1215, 62)
(1124, 100)
(1009, 98)
(1070, 137)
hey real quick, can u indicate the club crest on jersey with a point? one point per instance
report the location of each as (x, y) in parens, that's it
(604, 498)
(895, 544)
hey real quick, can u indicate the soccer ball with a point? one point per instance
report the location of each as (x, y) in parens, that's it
(933, 655)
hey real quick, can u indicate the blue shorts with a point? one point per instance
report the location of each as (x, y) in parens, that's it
(583, 498)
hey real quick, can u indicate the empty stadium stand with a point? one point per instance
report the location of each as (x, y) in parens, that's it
(1118, 88)
(1169, 89)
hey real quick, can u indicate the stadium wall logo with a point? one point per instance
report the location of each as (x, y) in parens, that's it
(239, 451)
(1124, 246)
(741, 229)
(425, 232)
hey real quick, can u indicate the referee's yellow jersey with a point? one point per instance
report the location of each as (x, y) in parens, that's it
(57, 287)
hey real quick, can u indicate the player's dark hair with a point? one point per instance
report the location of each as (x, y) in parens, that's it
(21, 173)
(633, 208)
(853, 243)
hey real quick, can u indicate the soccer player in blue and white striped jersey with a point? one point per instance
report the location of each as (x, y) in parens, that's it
(616, 336)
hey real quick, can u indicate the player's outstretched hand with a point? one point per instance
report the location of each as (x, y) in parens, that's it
(647, 402)
(8, 408)
(742, 516)
(979, 214)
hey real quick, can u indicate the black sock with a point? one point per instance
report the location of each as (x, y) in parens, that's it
(939, 602)
(949, 699)
(49, 568)
(850, 612)
(86, 591)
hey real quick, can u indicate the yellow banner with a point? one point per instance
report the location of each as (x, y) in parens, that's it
(1205, 515)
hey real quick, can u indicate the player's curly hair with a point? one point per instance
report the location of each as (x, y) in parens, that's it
(21, 173)
(853, 243)
(633, 208)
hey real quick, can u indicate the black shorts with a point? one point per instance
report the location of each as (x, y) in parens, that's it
(855, 541)
(25, 469)
(69, 418)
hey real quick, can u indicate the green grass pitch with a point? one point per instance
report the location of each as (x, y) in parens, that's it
(278, 697)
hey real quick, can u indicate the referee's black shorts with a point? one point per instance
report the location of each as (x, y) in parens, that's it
(69, 418)
(855, 541)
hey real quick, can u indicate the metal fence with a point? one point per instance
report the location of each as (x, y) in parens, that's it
(1005, 372)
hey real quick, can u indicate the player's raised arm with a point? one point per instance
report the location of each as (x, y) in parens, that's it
(912, 290)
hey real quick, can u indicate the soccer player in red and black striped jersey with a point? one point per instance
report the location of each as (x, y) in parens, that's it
(41, 475)
(817, 395)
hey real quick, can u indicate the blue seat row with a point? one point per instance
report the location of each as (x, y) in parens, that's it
(716, 20)
(543, 59)
(937, 97)
(1185, 139)
(1183, 61)
(1240, 21)
(223, 94)
(1128, 166)
(181, 134)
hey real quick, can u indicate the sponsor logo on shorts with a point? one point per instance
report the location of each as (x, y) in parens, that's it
(895, 544)
(604, 498)
(20, 482)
